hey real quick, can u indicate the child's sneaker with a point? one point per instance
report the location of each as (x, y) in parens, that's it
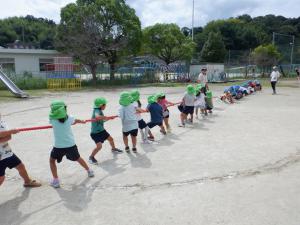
(146, 141)
(169, 130)
(163, 132)
(151, 138)
(127, 149)
(55, 183)
(90, 173)
(92, 160)
(181, 125)
(134, 150)
(116, 150)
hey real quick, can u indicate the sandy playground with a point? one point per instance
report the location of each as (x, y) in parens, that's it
(239, 166)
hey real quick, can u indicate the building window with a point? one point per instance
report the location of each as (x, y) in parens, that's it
(8, 64)
(44, 63)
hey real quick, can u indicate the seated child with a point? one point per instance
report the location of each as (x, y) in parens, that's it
(9, 160)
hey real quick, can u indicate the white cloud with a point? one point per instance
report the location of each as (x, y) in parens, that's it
(163, 11)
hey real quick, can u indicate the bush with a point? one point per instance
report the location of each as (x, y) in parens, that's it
(27, 83)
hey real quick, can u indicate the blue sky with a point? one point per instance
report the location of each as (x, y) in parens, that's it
(164, 11)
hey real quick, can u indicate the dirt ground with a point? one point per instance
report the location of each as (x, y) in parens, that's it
(239, 166)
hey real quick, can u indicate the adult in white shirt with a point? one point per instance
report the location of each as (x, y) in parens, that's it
(274, 78)
(202, 78)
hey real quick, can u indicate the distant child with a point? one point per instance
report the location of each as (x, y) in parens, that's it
(156, 113)
(188, 102)
(161, 99)
(200, 101)
(64, 143)
(142, 124)
(209, 101)
(128, 114)
(9, 160)
(227, 96)
(98, 133)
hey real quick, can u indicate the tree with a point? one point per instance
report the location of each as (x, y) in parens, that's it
(98, 30)
(266, 56)
(168, 43)
(213, 49)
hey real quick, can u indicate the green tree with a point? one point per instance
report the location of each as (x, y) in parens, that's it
(99, 30)
(213, 49)
(266, 56)
(168, 43)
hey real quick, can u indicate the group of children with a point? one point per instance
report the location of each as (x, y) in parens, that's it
(195, 99)
(239, 91)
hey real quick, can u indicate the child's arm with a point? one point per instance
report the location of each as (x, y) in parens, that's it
(79, 121)
(5, 136)
(140, 110)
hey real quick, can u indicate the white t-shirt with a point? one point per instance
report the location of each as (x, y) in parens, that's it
(202, 79)
(189, 100)
(138, 115)
(275, 75)
(129, 118)
(200, 100)
(5, 150)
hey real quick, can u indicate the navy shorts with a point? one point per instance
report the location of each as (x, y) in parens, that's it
(100, 137)
(142, 124)
(152, 124)
(180, 108)
(133, 133)
(10, 162)
(188, 110)
(71, 153)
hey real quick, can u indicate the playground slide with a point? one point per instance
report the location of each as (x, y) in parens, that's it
(11, 86)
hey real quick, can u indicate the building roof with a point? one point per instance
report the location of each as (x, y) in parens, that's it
(28, 51)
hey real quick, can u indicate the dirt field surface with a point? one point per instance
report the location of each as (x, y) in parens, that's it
(238, 166)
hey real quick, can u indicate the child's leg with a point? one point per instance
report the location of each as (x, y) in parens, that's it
(125, 139)
(2, 178)
(166, 120)
(96, 149)
(197, 111)
(53, 168)
(162, 128)
(143, 134)
(183, 117)
(83, 163)
(111, 142)
(134, 140)
(192, 117)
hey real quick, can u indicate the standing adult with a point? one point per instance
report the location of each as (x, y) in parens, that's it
(202, 78)
(274, 78)
(297, 73)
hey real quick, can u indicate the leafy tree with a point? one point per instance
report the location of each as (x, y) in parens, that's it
(168, 43)
(213, 49)
(266, 56)
(98, 30)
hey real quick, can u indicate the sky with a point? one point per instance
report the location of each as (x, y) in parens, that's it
(164, 11)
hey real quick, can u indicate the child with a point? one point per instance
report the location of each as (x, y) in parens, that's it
(209, 101)
(9, 160)
(98, 133)
(227, 96)
(200, 101)
(188, 102)
(156, 113)
(64, 143)
(128, 114)
(161, 99)
(142, 124)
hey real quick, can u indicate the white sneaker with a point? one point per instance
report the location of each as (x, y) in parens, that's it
(181, 125)
(90, 173)
(55, 183)
(146, 141)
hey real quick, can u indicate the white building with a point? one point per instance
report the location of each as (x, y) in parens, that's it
(20, 61)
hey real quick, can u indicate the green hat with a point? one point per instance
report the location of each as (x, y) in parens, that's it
(152, 99)
(125, 99)
(135, 95)
(160, 95)
(209, 94)
(58, 110)
(99, 102)
(190, 89)
(198, 87)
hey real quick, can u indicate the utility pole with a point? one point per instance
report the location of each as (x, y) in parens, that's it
(273, 40)
(193, 19)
